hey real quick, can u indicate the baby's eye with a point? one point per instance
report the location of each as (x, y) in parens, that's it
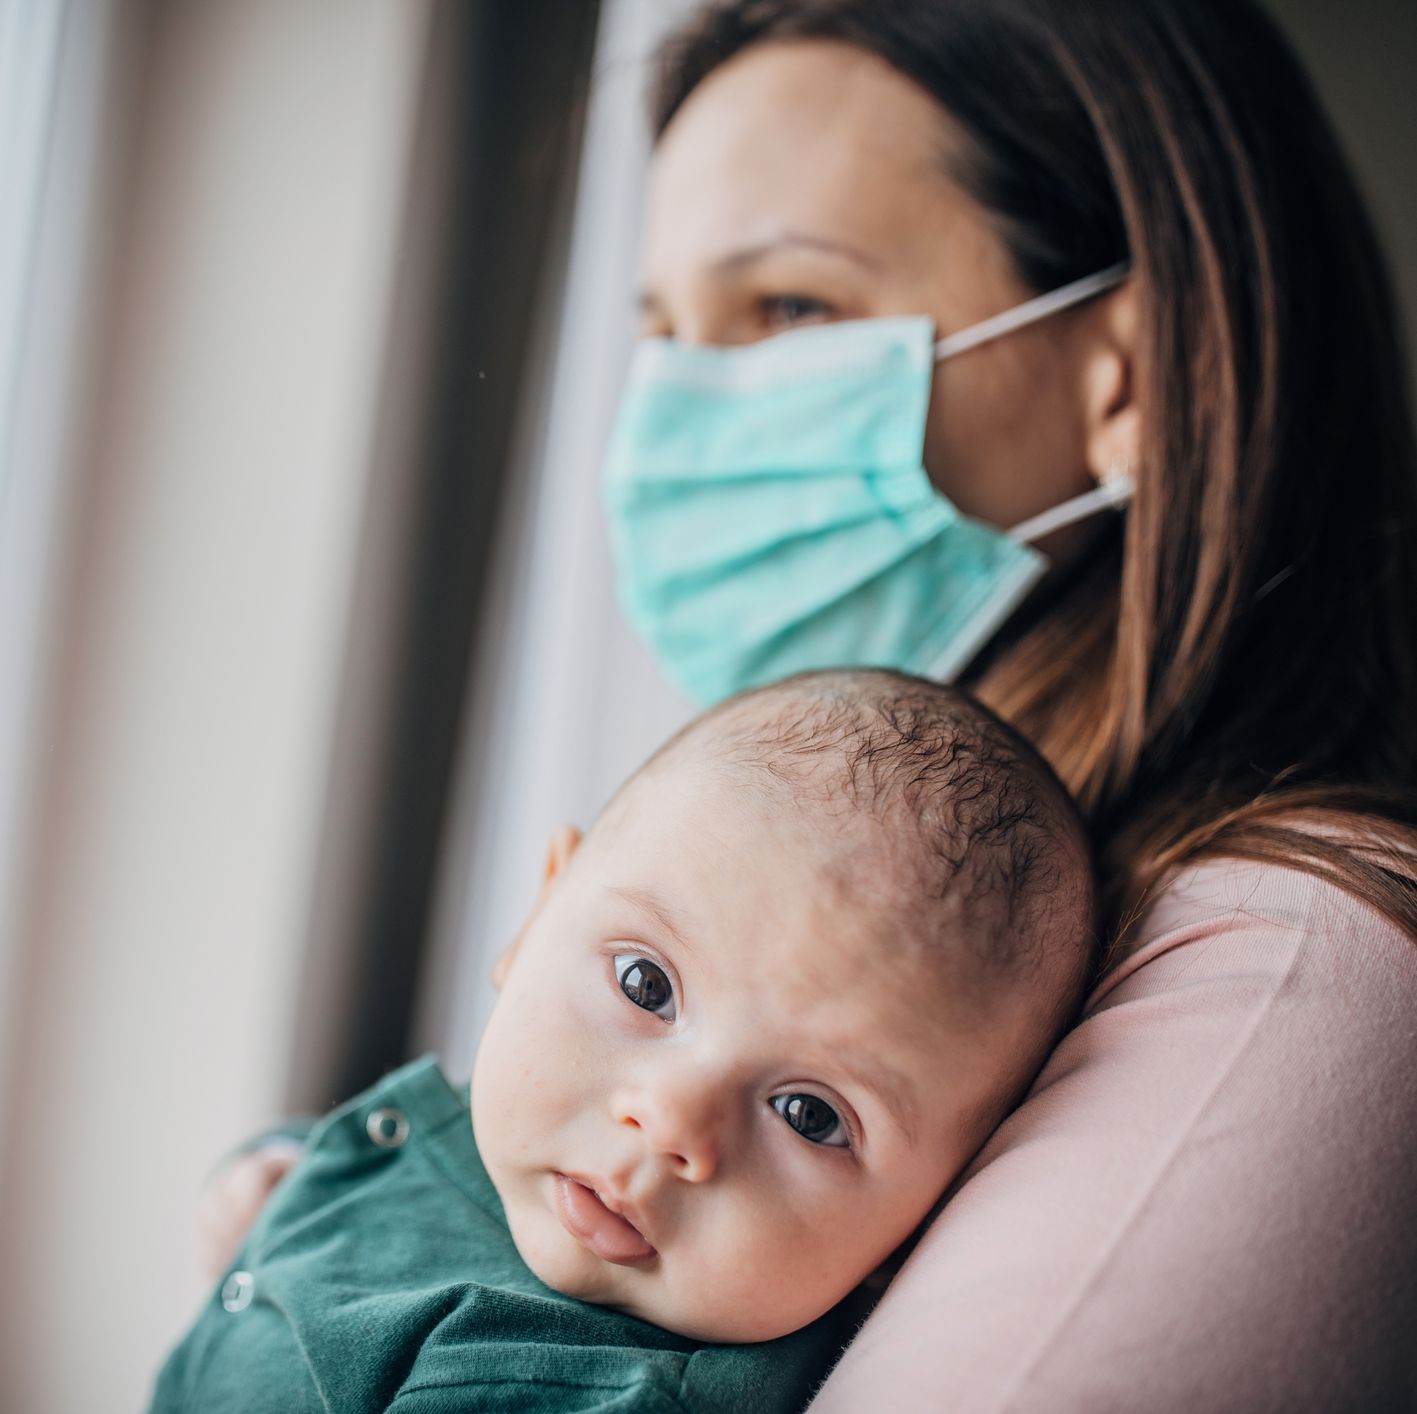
(783, 311)
(812, 1118)
(645, 984)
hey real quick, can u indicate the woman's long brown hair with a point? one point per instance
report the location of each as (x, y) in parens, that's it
(1234, 671)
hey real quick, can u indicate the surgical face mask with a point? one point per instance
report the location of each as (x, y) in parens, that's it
(770, 512)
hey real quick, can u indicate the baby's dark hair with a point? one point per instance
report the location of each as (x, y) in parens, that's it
(981, 854)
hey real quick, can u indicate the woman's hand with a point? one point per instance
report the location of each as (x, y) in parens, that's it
(234, 1196)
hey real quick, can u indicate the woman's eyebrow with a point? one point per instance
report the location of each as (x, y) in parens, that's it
(735, 262)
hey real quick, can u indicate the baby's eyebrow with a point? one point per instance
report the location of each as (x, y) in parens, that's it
(888, 1086)
(650, 903)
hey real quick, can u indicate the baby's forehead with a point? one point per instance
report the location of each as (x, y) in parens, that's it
(782, 765)
(832, 965)
(823, 936)
(787, 814)
(915, 805)
(764, 808)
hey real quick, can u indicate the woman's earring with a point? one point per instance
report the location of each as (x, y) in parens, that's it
(1115, 487)
(1118, 473)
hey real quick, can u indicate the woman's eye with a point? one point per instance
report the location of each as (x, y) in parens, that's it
(645, 984)
(784, 311)
(812, 1118)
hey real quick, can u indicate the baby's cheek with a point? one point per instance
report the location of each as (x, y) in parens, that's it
(757, 1278)
(505, 1084)
(545, 1247)
(535, 1072)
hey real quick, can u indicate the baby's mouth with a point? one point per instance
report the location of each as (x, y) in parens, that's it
(591, 1223)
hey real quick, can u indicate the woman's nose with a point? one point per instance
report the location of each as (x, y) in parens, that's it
(702, 332)
(679, 1124)
(705, 321)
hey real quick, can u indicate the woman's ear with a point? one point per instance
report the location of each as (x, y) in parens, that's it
(1112, 418)
(565, 840)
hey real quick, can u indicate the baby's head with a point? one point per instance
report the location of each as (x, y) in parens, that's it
(774, 1000)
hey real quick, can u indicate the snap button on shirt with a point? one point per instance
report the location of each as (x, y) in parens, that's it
(237, 1290)
(388, 1128)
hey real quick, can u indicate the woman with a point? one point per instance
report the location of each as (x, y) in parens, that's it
(1202, 1202)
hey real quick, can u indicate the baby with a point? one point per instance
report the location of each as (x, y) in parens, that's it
(757, 1020)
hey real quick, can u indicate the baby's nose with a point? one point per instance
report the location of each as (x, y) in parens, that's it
(680, 1125)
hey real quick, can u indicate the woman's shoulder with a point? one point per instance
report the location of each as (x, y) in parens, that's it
(1245, 980)
(1204, 1200)
(1223, 913)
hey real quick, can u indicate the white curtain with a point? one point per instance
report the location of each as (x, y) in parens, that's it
(56, 58)
(565, 702)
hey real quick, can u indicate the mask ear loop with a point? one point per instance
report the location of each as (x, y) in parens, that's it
(1113, 492)
(1032, 310)
(1117, 486)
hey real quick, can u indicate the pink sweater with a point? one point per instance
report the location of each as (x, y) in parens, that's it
(1207, 1201)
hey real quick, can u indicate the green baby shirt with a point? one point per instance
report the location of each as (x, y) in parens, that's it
(381, 1275)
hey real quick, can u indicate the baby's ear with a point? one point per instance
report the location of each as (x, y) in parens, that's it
(565, 840)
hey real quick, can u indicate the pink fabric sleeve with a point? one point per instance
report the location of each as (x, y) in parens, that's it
(1206, 1202)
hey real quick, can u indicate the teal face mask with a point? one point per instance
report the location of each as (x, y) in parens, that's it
(770, 512)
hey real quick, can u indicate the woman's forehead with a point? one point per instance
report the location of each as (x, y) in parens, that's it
(811, 136)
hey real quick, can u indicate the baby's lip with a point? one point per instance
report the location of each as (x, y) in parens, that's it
(601, 1220)
(615, 1201)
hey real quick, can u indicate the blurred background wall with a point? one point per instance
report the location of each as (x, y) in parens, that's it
(253, 158)
(312, 317)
